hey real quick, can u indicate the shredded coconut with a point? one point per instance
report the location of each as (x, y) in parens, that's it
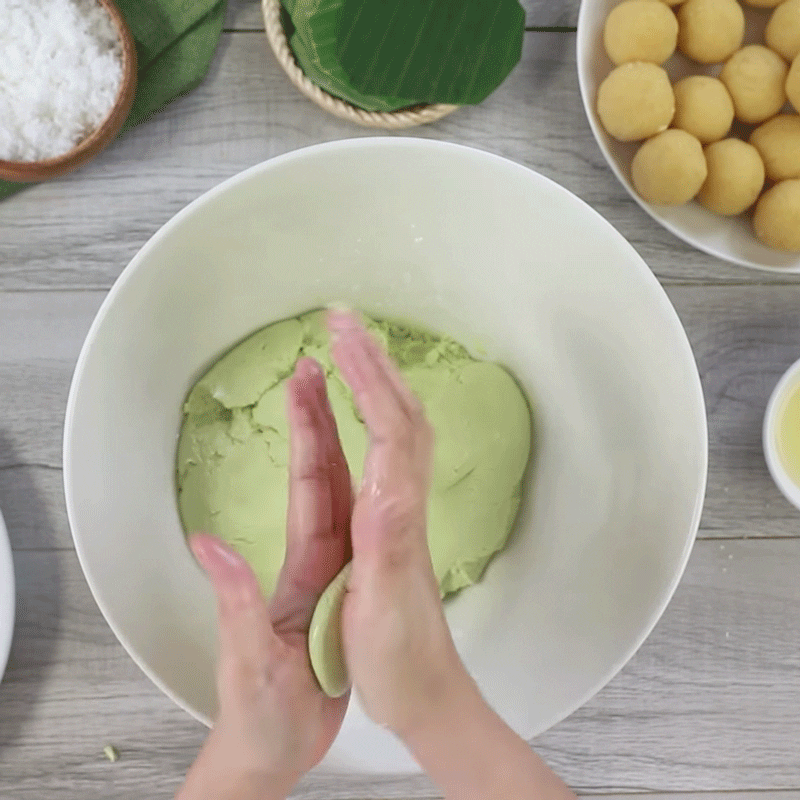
(60, 73)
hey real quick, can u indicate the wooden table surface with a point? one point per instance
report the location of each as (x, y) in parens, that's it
(711, 702)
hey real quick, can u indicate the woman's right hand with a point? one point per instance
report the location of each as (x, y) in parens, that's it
(397, 643)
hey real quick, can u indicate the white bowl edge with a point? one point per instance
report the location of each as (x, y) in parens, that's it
(7, 597)
(789, 489)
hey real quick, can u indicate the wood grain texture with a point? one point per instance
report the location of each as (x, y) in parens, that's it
(709, 702)
(245, 15)
(248, 111)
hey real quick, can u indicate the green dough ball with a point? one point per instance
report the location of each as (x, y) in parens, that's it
(232, 461)
(325, 638)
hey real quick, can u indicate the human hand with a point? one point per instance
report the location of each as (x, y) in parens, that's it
(274, 722)
(397, 644)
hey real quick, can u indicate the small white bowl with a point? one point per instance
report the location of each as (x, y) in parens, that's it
(780, 395)
(7, 601)
(729, 238)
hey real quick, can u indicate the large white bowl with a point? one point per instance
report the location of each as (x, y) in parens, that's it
(728, 238)
(462, 241)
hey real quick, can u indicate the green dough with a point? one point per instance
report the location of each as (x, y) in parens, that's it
(232, 461)
(325, 637)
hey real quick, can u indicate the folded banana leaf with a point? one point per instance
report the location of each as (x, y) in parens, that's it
(381, 55)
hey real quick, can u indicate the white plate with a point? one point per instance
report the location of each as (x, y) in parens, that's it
(7, 597)
(728, 238)
(465, 242)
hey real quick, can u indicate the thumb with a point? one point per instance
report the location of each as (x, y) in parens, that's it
(245, 631)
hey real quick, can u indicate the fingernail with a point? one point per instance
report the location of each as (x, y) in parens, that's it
(307, 368)
(338, 307)
(213, 554)
(340, 321)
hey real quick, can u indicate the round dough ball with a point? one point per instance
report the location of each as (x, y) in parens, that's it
(636, 101)
(755, 77)
(778, 142)
(640, 30)
(710, 30)
(783, 29)
(669, 169)
(793, 84)
(777, 217)
(672, 2)
(763, 3)
(735, 177)
(703, 107)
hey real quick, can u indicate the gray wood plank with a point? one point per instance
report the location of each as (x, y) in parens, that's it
(245, 15)
(743, 337)
(708, 703)
(717, 679)
(788, 794)
(80, 231)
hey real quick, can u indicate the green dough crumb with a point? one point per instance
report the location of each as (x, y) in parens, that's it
(111, 753)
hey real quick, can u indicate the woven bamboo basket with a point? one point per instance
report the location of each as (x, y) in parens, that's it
(390, 120)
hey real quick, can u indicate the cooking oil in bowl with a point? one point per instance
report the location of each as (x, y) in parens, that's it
(787, 432)
(782, 435)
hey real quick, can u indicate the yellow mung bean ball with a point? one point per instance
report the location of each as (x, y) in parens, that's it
(703, 107)
(783, 30)
(778, 142)
(735, 177)
(710, 30)
(640, 30)
(670, 168)
(755, 78)
(636, 101)
(777, 216)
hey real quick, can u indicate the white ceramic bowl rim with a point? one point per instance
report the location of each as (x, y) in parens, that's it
(790, 489)
(7, 596)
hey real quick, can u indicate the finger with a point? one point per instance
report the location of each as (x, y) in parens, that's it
(341, 483)
(317, 522)
(374, 393)
(409, 401)
(245, 634)
(390, 523)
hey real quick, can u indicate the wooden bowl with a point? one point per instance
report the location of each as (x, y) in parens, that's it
(390, 120)
(32, 171)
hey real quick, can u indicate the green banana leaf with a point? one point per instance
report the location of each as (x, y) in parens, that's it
(438, 51)
(312, 37)
(382, 55)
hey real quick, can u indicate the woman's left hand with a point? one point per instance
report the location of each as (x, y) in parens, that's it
(274, 722)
